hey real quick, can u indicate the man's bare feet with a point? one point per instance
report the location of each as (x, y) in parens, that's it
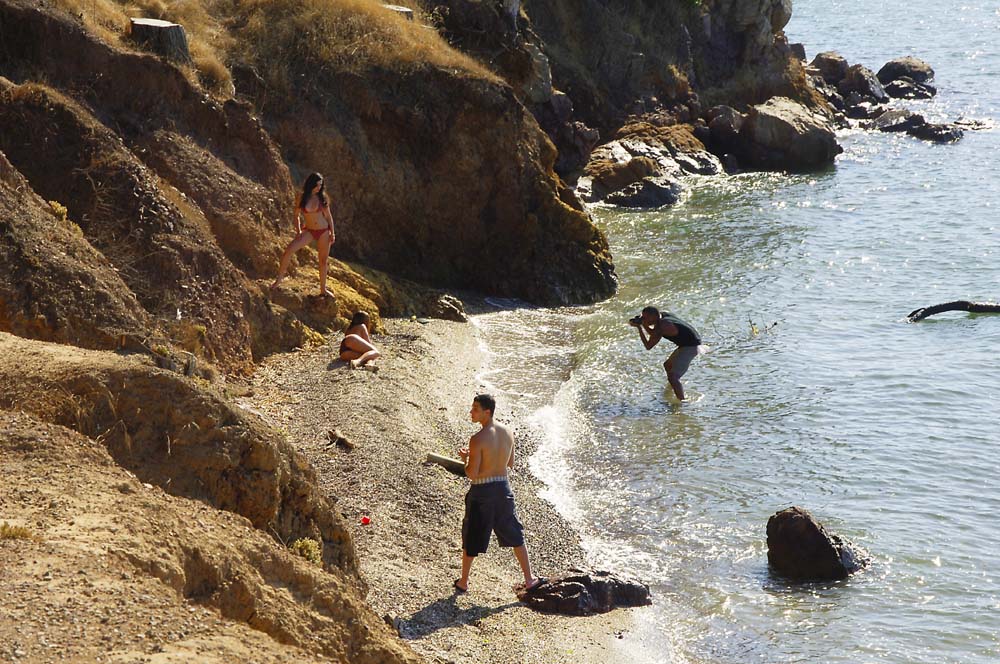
(459, 588)
(530, 585)
(370, 366)
(276, 283)
(325, 293)
(354, 364)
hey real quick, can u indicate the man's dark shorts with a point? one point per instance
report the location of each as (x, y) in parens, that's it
(489, 508)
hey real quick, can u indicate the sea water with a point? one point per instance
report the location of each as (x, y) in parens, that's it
(816, 391)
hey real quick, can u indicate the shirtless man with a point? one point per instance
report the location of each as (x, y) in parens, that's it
(489, 504)
(668, 326)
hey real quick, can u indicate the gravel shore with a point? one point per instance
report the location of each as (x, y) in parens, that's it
(416, 403)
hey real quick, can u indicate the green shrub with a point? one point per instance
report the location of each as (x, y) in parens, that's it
(308, 549)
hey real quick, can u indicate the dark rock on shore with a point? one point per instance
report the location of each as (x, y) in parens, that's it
(799, 548)
(937, 133)
(650, 192)
(915, 125)
(912, 68)
(865, 111)
(907, 88)
(584, 592)
(898, 119)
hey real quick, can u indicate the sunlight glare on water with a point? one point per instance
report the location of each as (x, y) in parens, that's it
(885, 430)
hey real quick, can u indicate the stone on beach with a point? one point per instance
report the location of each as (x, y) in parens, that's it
(585, 592)
(798, 547)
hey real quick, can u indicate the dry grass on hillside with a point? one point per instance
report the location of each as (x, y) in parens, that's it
(285, 39)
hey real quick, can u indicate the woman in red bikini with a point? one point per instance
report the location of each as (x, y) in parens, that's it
(357, 347)
(313, 221)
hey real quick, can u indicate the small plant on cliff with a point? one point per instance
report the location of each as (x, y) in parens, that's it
(308, 549)
(8, 531)
(59, 210)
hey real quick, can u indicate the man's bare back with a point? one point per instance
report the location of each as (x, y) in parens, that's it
(491, 449)
(496, 445)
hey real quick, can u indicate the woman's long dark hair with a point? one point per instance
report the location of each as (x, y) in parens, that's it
(307, 190)
(359, 318)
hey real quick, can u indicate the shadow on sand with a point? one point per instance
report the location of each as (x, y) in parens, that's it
(445, 613)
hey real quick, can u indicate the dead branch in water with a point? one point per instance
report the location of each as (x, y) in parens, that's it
(957, 305)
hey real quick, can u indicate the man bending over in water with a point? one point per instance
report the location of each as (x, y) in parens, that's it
(682, 333)
(489, 504)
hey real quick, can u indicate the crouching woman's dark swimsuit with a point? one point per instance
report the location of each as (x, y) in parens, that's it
(489, 508)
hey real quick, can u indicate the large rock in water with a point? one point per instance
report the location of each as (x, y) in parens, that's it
(582, 593)
(783, 134)
(832, 66)
(913, 68)
(861, 80)
(799, 547)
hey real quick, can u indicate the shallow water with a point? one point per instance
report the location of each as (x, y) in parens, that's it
(885, 430)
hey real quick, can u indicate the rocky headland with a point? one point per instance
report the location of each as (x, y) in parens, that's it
(169, 493)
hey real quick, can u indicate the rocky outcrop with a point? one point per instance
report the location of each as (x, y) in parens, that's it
(781, 134)
(172, 433)
(641, 167)
(582, 593)
(799, 548)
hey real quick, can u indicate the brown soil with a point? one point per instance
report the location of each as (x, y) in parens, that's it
(118, 570)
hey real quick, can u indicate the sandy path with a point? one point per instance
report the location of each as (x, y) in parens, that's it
(410, 552)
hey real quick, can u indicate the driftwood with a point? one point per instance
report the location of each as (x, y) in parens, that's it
(163, 37)
(957, 305)
(452, 465)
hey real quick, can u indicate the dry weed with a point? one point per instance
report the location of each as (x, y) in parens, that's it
(8, 531)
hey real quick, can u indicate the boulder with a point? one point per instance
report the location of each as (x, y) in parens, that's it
(832, 66)
(583, 592)
(899, 119)
(798, 547)
(865, 111)
(784, 134)
(798, 50)
(649, 192)
(913, 68)
(724, 124)
(937, 133)
(862, 80)
(906, 88)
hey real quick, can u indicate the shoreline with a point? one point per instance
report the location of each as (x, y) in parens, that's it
(410, 551)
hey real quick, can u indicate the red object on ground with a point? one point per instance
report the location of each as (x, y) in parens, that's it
(365, 521)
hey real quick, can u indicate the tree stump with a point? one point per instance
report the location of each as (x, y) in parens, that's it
(162, 37)
(405, 12)
(957, 305)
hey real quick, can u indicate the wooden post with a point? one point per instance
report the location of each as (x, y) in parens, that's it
(452, 465)
(162, 37)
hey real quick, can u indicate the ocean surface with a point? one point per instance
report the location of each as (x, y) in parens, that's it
(816, 391)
